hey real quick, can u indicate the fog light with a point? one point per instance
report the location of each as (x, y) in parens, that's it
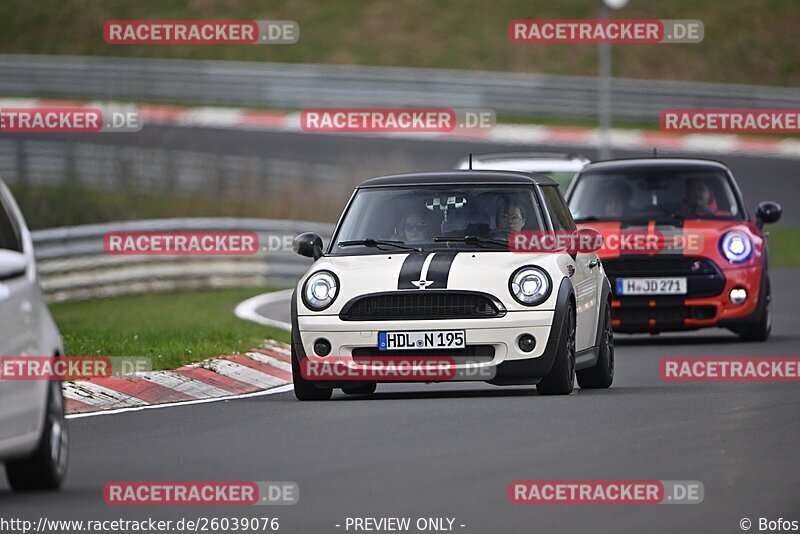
(526, 342)
(738, 295)
(322, 347)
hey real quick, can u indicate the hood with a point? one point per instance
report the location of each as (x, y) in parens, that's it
(690, 237)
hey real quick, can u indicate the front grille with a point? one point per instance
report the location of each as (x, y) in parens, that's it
(409, 305)
(668, 313)
(666, 265)
(703, 277)
(469, 354)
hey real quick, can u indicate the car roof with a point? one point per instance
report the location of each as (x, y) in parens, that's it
(654, 163)
(561, 156)
(459, 177)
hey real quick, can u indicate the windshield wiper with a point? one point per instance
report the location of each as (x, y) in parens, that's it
(378, 243)
(473, 240)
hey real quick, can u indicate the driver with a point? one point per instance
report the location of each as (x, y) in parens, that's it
(413, 228)
(699, 198)
(616, 202)
(510, 216)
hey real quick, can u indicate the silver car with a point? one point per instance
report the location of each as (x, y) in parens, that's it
(33, 433)
(561, 167)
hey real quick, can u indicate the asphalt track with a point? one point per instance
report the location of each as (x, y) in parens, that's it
(452, 450)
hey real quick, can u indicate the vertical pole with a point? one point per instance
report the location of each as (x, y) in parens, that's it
(604, 90)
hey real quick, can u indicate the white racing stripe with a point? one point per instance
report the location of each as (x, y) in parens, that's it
(187, 385)
(96, 395)
(244, 374)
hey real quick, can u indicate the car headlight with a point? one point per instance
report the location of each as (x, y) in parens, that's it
(736, 246)
(320, 290)
(530, 285)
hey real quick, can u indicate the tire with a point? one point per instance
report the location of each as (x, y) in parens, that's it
(561, 379)
(305, 390)
(46, 467)
(760, 330)
(601, 375)
(367, 389)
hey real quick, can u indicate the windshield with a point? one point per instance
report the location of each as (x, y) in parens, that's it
(654, 194)
(434, 217)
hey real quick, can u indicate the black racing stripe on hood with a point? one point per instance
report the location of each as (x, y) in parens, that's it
(439, 269)
(411, 270)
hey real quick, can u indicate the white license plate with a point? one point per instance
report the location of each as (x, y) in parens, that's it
(651, 286)
(431, 339)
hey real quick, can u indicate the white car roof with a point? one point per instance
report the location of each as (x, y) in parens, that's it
(526, 163)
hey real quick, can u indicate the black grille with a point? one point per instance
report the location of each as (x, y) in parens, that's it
(469, 354)
(427, 304)
(660, 266)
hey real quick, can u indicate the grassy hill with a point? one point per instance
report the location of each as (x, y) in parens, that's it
(746, 41)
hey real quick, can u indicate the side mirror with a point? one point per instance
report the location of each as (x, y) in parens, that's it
(586, 240)
(12, 264)
(309, 245)
(768, 213)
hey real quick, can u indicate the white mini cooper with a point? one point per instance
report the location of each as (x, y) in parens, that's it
(420, 264)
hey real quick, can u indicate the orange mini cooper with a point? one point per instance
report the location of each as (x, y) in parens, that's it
(680, 249)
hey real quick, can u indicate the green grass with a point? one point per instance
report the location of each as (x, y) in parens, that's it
(784, 246)
(171, 329)
(746, 41)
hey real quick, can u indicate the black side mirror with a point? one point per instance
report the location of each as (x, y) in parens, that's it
(309, 245)
(768, 213)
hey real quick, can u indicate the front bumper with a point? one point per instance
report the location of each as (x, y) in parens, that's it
(500, 334)
(688, 312)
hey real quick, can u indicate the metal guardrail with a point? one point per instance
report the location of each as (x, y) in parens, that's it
(72, 263)
(296, 86)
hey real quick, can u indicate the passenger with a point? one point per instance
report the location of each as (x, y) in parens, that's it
(510, 216)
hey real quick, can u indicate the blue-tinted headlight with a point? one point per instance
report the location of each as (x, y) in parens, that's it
(736, 246)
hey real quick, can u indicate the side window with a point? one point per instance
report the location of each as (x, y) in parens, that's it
(559, 212)
(9, 238)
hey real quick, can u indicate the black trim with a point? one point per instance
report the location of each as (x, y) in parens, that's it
(439, 269)
(605, 297)
(411, 270)
(587, 358)
(501, 310)
(530, 371)
(338, 290)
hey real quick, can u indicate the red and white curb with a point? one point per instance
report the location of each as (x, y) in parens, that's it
(250, 119)
(264, 369)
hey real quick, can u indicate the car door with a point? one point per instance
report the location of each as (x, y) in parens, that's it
(20, 402)
(585, 278)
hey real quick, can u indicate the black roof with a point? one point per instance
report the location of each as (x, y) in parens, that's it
(460, 177)
(653, 163)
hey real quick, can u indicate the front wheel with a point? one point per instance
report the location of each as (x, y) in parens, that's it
(561, 379)
(760, 330)
(46, 467)
(601, 375)
(305, 390)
